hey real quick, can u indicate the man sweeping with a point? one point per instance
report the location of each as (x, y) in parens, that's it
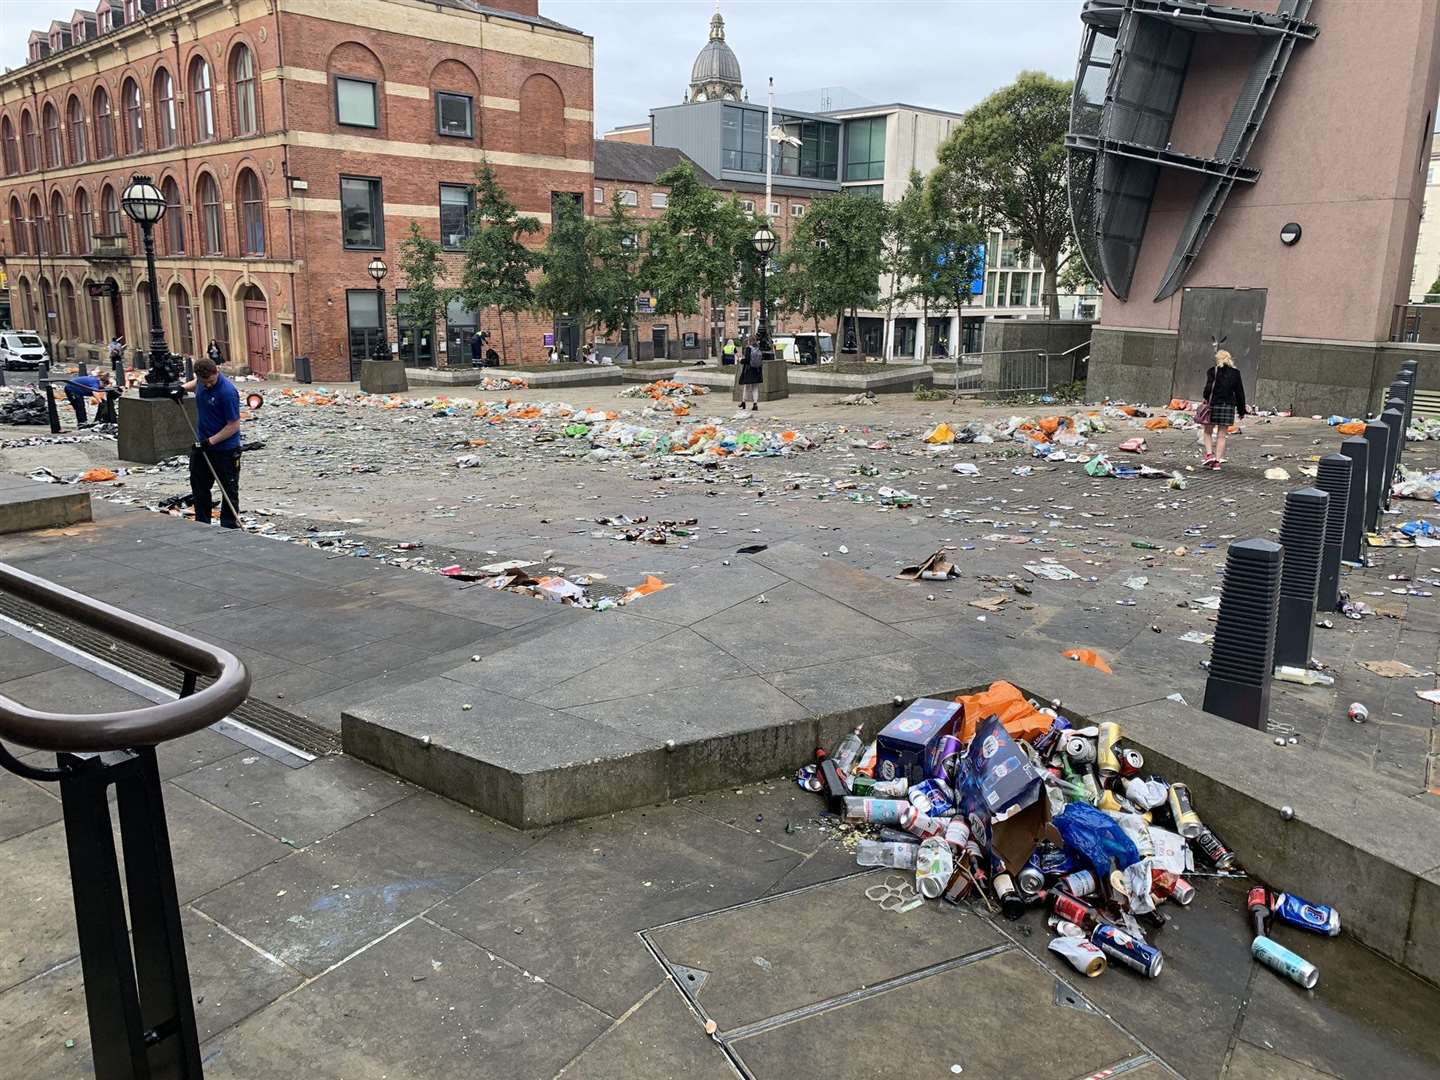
(217, 427)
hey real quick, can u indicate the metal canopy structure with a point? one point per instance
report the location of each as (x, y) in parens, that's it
(1133, 62)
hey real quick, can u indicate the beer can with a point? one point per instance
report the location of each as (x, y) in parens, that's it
(947, 758)
(876, 811)
(1131, 762)
(1172, 886)
(1317, 918)
(1080, 883)
(1214, 849)
(1079, 749)
(1182, 811)
(920, 824)
(957, 834)
(1064, 927)
(1083, 956)
(931, 797)
(1281, 960)
(1053, 860)
(1030, 880)
(1106, 760)
(1126, 949)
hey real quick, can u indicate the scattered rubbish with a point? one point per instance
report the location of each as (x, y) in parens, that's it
(936, 567)
(1432, 696)
(1134, 446)
(1088, 657)
(992, 604)
(1195, 637)
(1051, 571)
(1137, 583)
(1393, 669)
(966, 468)
(1276, 473)
(1358, 712)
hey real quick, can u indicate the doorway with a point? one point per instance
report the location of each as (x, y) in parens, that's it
(1232, 317)
(660, 341)
(257, 331)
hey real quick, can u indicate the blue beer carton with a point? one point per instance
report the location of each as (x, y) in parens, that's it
(909, 745)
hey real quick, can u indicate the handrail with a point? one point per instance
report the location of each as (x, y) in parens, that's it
(97, 732)
(1076, 348)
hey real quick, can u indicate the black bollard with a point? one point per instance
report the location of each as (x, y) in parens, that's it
(1357, 450)
(1333, 478)
(1302, 535)
(1394, 419)
(1405, 383)
(1410, 372)
(51, 412)
(1242, 657)
(1377, 434)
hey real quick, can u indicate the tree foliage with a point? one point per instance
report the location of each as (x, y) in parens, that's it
(497, 262)
(843, 256)
(422, 261)
(617, 252)
(568, 285)
(1004, 166)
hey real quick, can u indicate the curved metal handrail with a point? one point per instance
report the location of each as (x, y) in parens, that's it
(98, 732)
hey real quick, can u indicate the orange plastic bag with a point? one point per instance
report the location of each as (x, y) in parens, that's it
(1004, 700)
(1088, 657)
(651, 584)
(1355, 427)
(97, 476)
(1178, 404)
(1157, 423)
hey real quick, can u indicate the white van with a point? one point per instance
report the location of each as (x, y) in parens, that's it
(21, 350)
(801, 348)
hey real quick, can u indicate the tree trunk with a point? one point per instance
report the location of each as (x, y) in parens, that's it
(504, 349)
(839, 335)
(1050, 283)
(924, 328)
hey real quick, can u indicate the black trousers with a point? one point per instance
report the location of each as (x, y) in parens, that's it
(77, 402)
(227, 467)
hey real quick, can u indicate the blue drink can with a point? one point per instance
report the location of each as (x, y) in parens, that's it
(1284, 962)
(1317, 918)
(1126, 949)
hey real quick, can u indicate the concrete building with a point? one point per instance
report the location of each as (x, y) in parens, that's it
(294, 141)
(629, 173)
(1426, 268)
(1256, 175)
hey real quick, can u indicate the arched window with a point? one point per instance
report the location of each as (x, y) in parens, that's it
(242, 88)
(202, 99)
(17, 228)
(104, 126)
(174, 217)
(38, 240)
(54, 152)
(182, 325)
(212, 225)
(164, 110)
(59, 225)
(110, 208)
(11, 147)
(252, 213)
(219, 319)
(79, 145)
(134, 117)
(27, 305)
(68, 310)
(29, 145)
(84, 222)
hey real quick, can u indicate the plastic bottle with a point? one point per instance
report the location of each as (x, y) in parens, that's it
(875, 853)
(847, 753)
(934, 866)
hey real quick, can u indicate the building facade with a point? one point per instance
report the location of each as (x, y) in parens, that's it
(294, 141)
(629, 173)
(1426, 269)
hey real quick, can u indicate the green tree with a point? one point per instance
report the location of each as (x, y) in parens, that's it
(1435, 286)
(846, 232)
(497, 262)
(618, 251)
(422, 261)
(569, 285)
(690, 251)
(1004, 166)
(943, 257)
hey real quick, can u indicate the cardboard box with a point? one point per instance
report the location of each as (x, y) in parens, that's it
(909, 745)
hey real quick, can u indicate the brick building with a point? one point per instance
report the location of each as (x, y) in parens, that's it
(294, 140)
(629, 172)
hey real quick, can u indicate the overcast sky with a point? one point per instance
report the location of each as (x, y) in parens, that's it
(943, 53)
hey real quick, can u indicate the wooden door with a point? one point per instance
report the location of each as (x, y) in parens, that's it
(257, 337)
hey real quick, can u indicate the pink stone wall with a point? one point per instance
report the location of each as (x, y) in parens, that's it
(1342, 151)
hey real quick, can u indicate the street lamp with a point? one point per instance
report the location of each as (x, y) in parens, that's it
(145, 205)
(764, 243)
(378, 270)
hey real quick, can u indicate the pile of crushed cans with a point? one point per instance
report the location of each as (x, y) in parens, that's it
(993, 796)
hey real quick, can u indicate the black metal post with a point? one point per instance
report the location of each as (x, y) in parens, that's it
(1357, 450)
(162, 379)
(1302, 535)
(766, 349)
(51, 412)
(1242, 657)
(1377, 434)
(1333, 478)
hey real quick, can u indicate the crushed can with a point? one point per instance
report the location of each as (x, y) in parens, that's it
(934, 866)
(918, 823)
(1082, 955)
(1131, 762)
(1079, 749)
(1317, 918)
(1127, 949)
(932, 797)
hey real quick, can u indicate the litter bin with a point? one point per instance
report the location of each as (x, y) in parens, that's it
(302, 369)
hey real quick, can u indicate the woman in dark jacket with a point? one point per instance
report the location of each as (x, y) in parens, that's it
(751, 375)
(1225, 391)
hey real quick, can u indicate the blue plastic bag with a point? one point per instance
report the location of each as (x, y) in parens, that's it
(1093, 837)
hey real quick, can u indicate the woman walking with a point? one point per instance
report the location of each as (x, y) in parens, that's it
(1224, 404)
(752, 374)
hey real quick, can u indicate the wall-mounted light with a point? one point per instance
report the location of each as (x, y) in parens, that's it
(1290, 234)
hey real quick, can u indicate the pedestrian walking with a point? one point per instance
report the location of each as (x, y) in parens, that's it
(217, 445)
(1224, 404)
(727, 353)
(77, 389)
(752, 374)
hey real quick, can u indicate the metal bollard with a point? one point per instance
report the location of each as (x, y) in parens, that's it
(43, 385)
(1394, 419)
(1242, 657)
(1357, 449)
(1405, 383)
(1302, 535)
(1377, 434)
(1333, 478)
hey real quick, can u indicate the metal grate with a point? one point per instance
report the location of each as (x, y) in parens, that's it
(261, 715)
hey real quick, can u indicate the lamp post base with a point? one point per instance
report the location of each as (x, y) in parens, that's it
(152, 429)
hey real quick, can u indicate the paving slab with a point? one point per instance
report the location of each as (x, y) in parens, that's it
(19, 658)
(679, 659)
(25, 805)
(450, 1009)
(659, 1040)
(38, 930)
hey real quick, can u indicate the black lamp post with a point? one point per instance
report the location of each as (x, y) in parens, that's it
(378, 270)
(145, 205)
(764, 243)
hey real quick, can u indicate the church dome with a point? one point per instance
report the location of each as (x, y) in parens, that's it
(716, 73)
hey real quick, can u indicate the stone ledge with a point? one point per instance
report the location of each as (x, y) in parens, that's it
(41, 506)
(591, 375)
(887, 379)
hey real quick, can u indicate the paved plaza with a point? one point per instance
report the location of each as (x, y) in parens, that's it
(342, 922)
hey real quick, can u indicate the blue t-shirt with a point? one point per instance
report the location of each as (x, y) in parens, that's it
(216, 407)
(83, 384)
